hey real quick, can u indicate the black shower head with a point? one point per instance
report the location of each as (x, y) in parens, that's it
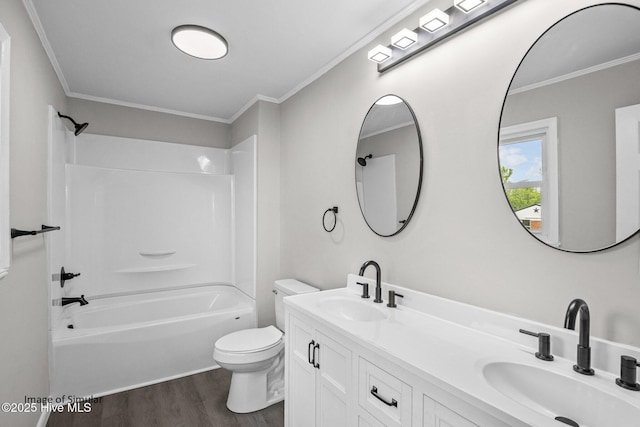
(79, 127)
(362, 161)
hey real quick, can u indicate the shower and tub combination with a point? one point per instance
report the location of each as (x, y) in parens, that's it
(163, 238)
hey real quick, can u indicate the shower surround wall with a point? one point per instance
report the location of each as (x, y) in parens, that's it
(139, 217)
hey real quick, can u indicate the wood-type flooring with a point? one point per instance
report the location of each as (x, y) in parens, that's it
(193, 401)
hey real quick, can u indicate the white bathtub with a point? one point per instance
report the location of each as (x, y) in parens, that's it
(125, 342)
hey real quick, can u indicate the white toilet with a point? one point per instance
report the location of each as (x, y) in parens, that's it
(256, 357)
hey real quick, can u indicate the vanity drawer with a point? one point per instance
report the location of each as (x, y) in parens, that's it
(383, 395)
(435, 415)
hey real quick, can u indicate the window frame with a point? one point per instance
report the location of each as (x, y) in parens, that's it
(547, 131)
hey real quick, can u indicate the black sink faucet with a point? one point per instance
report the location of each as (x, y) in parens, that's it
(378, 282)
(584, 351)
(80, 299)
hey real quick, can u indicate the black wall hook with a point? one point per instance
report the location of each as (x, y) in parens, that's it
(45, 228)
(335, 219)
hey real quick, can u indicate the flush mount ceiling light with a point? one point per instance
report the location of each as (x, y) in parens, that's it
(438, 25)
(379, 54)
(389, 100)
(404, 39)
(434, 20)
(199, 42)
(468, 5)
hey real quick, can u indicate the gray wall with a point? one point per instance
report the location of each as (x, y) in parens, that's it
(23, 305)
(127, 122)
(585, 107)
(463, 242)
(263, 120)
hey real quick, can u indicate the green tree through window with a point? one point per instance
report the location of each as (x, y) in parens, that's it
(519, 198)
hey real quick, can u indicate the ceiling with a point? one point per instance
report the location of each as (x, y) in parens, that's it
(119, 51)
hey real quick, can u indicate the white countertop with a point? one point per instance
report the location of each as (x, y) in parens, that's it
(451, 355)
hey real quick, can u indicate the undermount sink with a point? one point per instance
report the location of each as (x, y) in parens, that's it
(351, 309)
(556, 395)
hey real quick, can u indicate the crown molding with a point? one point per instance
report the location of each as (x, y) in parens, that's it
(37, 24)
(386, 25)
(35, 19)
(579, 73)
(147, 107)
(249, 104)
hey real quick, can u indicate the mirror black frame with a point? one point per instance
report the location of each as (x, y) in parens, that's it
(418, 190)
(504, 102)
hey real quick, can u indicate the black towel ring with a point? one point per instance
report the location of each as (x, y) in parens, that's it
(335, 219)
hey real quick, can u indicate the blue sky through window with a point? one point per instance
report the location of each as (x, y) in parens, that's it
(525, 158)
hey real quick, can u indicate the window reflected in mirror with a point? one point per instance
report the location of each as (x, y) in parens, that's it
(569, 145)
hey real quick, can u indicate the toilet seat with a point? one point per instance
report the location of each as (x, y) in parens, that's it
(250, 340)
(249, 346)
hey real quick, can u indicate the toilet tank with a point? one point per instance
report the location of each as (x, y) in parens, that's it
(286, 287)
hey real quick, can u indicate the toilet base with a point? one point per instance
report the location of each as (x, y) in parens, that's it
(253, 391)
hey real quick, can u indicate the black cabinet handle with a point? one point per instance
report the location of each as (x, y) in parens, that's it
(374, 392)
(311, 345)
(316, 364)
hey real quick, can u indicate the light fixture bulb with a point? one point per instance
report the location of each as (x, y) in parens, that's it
(379, 54)
(404, 39)
(434, 20)
(468, 5)
(200, 42)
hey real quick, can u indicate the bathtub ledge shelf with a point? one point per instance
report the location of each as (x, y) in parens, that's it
(156, 253)
(156, 269)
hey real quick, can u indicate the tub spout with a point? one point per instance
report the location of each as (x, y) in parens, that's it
(80, 299)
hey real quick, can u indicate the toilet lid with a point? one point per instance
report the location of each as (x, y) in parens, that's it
(250, 340)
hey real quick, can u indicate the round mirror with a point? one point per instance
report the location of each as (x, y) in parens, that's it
(569, 132)
(388, 165)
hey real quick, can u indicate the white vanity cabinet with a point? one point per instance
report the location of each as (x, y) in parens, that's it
(333, 381)
(432, 362)
(319, 377)
(436, 415)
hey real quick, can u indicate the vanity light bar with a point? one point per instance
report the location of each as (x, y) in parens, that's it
(434, 27)
(468, 5)
(379, 54)
(434, 21)
(404, 39)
